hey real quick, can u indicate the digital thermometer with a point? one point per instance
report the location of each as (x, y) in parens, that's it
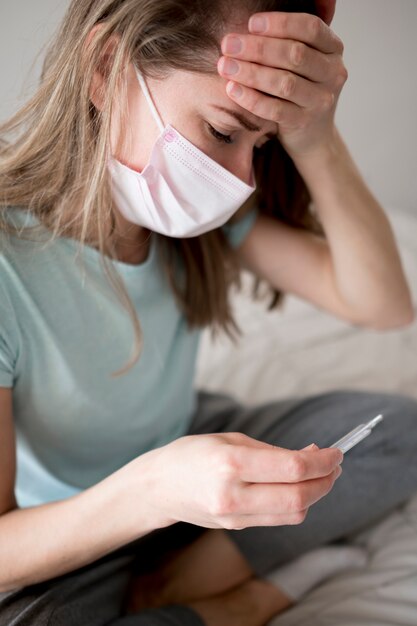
(357, 434)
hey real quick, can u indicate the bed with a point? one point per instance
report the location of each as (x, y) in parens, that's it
(309, 351)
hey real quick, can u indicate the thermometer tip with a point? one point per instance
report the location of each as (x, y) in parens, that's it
(376, 420)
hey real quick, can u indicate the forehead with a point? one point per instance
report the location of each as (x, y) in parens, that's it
(199, 90)
(206, 92)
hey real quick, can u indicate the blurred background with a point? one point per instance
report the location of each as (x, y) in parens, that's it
(377, 108)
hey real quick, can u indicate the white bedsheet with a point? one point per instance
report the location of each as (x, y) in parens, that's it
(384, 593)
(301, 350)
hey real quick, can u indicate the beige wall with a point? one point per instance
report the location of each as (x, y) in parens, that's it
(377, 111)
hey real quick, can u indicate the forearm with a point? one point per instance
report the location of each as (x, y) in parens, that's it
(366, 262)
(42, 542)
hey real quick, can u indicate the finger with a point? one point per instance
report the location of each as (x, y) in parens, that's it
(266, 107)
(251, 499)
(304, 27)
(278, 499)
(277, 83)
(312, 446)
(278, 465)
(247, 521)
(281, 53)
(237, 438)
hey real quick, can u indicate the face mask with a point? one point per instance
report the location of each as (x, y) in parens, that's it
(181, 192)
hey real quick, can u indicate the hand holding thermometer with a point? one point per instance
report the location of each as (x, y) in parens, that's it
(357, 434)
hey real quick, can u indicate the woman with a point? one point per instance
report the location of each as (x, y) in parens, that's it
(142, 141)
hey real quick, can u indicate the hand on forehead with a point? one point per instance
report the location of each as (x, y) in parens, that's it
(287, 69)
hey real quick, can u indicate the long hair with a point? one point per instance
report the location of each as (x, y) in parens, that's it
(54, 150)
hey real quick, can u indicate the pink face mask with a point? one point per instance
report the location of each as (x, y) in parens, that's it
(181, 192)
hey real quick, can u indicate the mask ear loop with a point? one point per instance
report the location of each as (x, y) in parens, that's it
(149, 100)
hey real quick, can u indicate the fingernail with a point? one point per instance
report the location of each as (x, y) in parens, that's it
(312, 446)
(232, 45)
(235, 90)
(339, 471)
(257, 24)
(229, 66)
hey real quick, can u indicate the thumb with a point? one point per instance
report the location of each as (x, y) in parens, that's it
(311, 447)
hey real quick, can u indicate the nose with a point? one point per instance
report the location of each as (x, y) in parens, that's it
(241, 166)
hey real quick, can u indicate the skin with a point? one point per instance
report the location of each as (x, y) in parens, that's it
(290, 78)
(193, 120)
(296, 60)
(196, 113)
(285, 80)
(211, 576)
(355, 273)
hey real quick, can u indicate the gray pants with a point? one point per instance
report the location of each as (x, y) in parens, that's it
(379, 474)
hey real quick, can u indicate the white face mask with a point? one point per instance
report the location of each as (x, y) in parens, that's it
(181, 192)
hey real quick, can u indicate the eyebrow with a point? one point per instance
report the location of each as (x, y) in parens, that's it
(243, 121)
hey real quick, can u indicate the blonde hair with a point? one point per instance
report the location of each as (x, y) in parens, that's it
(56, 166)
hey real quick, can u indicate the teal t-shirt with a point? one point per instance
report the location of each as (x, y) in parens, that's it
(62, 333)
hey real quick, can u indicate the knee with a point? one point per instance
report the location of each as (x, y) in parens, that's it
(400, 421)
(394, 406)
(397, 432)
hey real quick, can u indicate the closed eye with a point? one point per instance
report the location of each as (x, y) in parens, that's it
(219, 136)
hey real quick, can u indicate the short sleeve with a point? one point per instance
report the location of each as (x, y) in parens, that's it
(237, 232)
(8, 342)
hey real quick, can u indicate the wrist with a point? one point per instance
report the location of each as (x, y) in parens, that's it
(322, 155)
(147, 485)
(131, 495)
